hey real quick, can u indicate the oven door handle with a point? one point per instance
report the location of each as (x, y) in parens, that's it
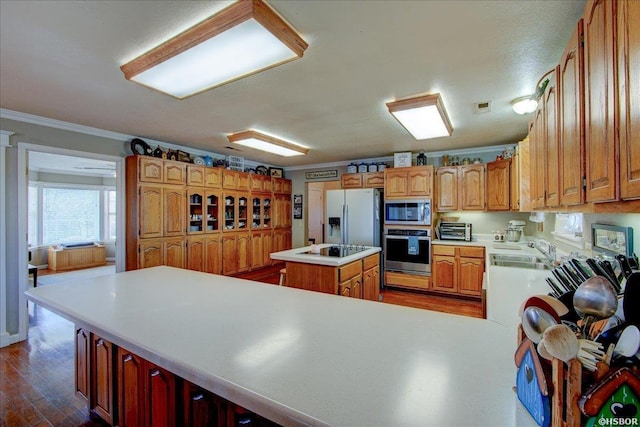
(390, 236)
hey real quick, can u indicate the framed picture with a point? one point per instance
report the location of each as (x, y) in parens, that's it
(276, 172)
(401, 160)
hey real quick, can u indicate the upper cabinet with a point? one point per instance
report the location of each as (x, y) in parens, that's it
(599, 89)
(550, 99)
(499, 185)
(628, 45)
(362, 180)
(460, 188)
(415, 181)
(571, 154)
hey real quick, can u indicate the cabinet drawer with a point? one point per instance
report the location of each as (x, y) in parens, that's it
(443, 250)
(370, 261)
(406, 280)
(471, 251)
(348, 271)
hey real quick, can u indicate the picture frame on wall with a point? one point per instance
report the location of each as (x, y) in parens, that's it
(276, 172)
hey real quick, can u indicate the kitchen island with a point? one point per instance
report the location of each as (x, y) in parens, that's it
(347, 270)
(302, 358)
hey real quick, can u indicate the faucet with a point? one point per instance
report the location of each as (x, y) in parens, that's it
(552, 252)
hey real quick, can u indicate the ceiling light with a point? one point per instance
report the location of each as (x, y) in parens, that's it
(243, 39)
(524, 104)
(268, 143)
(423, 116)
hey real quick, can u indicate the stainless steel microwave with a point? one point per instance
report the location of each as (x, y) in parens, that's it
(407, 212)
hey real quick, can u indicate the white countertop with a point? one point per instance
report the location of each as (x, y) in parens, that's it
(303, 358)
(298, 255)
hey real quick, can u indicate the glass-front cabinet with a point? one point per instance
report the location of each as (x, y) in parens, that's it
(260, 211)
(204, 211)
(212, 211)
(196, 211)
(236, 212)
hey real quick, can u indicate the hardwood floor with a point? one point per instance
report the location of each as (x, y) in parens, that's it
(37, 375)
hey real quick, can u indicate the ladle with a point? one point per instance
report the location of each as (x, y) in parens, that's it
(535, 321)
(595, 299)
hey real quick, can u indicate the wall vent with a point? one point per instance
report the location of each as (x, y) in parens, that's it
(482, 107)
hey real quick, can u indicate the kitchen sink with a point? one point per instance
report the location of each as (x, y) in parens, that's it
(519, 261)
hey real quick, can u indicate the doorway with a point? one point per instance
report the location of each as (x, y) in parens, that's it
(315, 207)
(82, 163)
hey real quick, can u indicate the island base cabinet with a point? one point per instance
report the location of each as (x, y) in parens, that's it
(101, 395)
(202, 408)
(146, 392)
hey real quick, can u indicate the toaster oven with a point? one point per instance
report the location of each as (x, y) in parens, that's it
(455, 231)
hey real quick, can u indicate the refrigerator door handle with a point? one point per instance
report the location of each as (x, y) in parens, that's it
(345, 222)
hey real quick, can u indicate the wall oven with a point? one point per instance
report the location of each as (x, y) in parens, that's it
(407, 212)
(408, 251)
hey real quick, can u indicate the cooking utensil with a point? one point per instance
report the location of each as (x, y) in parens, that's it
(629, 342)
(543, 352)
(545, 302)
(567, 300)
(597, 269)
(535, 321)
(560, 342)
(624, 265)
(608, 268)
(578, 267)
(631, 300)
(563, 280)
(571, 275)
(555, 288)
(590, 353)
(595, 299)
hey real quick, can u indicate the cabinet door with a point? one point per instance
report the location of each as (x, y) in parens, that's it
(420, 181)
(373, 180)
(174, 211)
(102, 374)
(202, 408)
(174, 252)
(257, 255)
(213, 177)
(498, 182)
(628, 42)
(229, 251)
(571, 155)
(538, 157)
(242, 183)
(395, 183)
(267, 247)
(196, 210)
(447, 189)
(130, 389)
(356, 287)
(174, 172)
(472, 187)
(470, 276)
(444, 273)
(599, 101)
(150, 253)
(151, 210)
(524, 174)
(371, 284)
(195, 175)
(351, 180)
(150, 169)
(244, 251)
(212, 211)
(195, 253)
(344, 288)
(83, 347)
(514, 181)
(213, 254)
(160, 396)
(552, 196)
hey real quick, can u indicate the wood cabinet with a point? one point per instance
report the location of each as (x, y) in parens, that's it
(460, 188)
(235, 211)
(196, 252)
(414, 181)
(458, 269)
(571, 141)
(236, 249)
(524, 202)
(282, 239)
(82, 372)
(261, 247)
(201, 407)
(346, 280)
(150, 206)
(499, 185)
(235, 180)
(282, 211)
(261, 204)
(599, 84)
(281, 185)
(213, 254)
(408, 281)
(371, 278)
(362, 180)
(174, 252)
(628, 65)
(551, 150)
(146, 392)
(102, 375)
(514, 180)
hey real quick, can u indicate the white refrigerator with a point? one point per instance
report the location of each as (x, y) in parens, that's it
(353, 217)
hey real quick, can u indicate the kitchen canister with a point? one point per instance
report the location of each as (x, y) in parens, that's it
(362, 167)
(352, 168)
(373, 167)
(381, 167)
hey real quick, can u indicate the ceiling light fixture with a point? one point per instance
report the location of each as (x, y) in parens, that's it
(423, 116)
(524, 104)
(268, 143)
(242, 39)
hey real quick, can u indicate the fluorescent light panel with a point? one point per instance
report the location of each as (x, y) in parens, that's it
(524, 105)
(268, 143)
(243, 39)
(423, 117)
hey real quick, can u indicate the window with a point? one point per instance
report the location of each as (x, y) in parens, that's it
(568, 229)
(70, 213)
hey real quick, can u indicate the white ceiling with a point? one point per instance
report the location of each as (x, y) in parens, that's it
(61, 60)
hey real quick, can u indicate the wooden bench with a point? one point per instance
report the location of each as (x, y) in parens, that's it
(76, 258)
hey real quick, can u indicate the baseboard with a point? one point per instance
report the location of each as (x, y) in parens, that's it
(7, 340)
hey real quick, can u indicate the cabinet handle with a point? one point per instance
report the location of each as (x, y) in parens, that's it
(129, 358)
(197, 397)
(100, 342)
(155, 373)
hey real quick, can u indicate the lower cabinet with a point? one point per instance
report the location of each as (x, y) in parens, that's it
(458, 269)
(236, 252)
(371, 278)
(201, 407)
(101, 378)
(83, 349)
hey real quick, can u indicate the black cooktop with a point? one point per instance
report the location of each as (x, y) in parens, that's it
(338, 251)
